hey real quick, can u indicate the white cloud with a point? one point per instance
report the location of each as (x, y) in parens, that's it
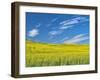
(55, 19)
(77, 38)
(73, 21)
(65, 27)
(53, 33)
(51, 22)
(33, 33)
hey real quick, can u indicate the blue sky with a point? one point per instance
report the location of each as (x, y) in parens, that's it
(57, 28)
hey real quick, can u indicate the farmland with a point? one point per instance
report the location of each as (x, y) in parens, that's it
(45, 54)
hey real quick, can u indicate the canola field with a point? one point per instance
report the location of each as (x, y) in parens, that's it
(45, 54)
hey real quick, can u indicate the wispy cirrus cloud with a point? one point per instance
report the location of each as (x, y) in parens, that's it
(78, 36)
(65, 27)
(76, 39)
(54, 33)
(33, 32)
(55, 19)
(72, 21)
(51, 22)
(66, 24)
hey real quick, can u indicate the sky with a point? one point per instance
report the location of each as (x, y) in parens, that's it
(57, 28)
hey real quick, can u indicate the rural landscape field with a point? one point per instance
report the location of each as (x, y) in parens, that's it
(57, 39)
(44, 54)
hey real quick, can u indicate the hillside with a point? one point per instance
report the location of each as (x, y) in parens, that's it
(43, 54)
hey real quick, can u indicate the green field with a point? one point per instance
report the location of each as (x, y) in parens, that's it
(44, 54)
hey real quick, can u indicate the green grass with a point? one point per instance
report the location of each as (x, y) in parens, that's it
(43, 54)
